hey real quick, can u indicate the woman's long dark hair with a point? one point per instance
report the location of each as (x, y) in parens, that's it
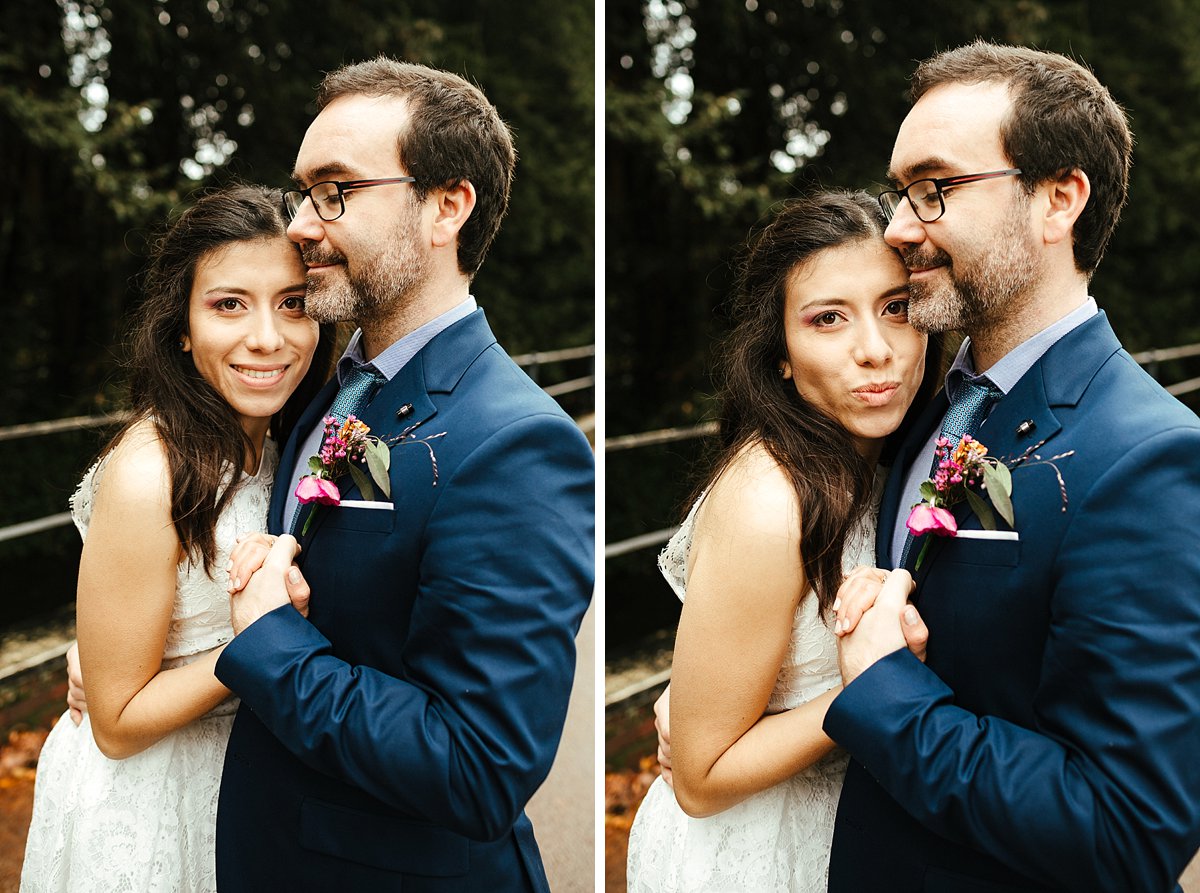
(832, 481)
(201, 433)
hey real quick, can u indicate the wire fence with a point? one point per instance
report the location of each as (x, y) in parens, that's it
(532, 363)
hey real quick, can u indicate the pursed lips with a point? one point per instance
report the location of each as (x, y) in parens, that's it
(876, 394)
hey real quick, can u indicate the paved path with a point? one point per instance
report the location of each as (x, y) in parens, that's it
(563, 811)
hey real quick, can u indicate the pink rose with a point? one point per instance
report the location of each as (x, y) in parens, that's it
(314, 489)
(930, 519)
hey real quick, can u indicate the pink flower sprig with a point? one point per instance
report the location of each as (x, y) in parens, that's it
(347, 447)
(961, 472)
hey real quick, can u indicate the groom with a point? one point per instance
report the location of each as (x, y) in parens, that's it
(391, 740)
(1051, 739)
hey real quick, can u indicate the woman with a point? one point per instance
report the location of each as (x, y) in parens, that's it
(821, 367)
(221, 354)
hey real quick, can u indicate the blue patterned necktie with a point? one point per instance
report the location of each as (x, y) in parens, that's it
(970, 406)
(968, 409)
(357, 387)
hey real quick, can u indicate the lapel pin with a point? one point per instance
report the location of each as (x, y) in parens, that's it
(404, 410)
(1025, 428)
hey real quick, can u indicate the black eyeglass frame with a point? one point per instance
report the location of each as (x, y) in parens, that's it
(343, 186)
(889, 210)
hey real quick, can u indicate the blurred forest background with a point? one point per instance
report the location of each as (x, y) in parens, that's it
(716, 109)
(114, 112)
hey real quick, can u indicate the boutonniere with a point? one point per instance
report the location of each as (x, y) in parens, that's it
(967, 472)
(346, 449)
(964, 472)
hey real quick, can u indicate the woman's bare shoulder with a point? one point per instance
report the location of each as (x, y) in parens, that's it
(753, 494)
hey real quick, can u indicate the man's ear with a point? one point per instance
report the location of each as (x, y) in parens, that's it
(452, 206)
(1066, 198)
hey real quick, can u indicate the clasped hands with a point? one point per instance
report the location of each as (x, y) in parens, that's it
(872, 619)
(262, 577)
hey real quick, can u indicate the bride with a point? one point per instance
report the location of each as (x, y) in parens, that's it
(821, 367)
(126, 800)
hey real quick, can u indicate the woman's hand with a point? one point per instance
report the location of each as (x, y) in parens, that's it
(247, 557)
(76, 702)
(857, 595)
(662, 723)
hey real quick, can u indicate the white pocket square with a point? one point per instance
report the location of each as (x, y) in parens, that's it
(980, 534)
(366, 504)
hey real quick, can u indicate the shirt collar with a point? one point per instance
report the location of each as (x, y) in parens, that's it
(1013, 365)
(396, 356)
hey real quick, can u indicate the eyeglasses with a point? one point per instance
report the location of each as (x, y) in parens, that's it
(926, 196)
(328, 196)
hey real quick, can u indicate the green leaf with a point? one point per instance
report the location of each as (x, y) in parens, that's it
(379, 460)
(999, 488)
(315, 466)
(980, 507)
(1004, 475)
(361, 480)
(928, 491)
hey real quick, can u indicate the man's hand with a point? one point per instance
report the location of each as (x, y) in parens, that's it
(76, 702)
(662, 722)
(278, 582)
(885, 627)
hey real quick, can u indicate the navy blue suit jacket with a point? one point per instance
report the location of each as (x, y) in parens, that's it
(391, 740)
(1052, 739)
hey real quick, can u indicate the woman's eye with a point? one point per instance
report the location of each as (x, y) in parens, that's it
(829, 318)
(295, 302)
(896, 308)
(228, 304)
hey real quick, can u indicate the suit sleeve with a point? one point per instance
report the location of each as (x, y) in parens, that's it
(506, 575)
(1104, 793)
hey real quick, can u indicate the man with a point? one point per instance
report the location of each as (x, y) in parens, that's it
(1049, 741)
(391, 740)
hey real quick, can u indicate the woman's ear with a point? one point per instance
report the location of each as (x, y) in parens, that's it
(185, 343)
(785, 370)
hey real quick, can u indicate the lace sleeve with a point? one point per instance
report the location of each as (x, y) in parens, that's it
(81, 500)
(672, 560)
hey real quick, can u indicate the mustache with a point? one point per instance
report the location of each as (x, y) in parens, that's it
(314, 256)
(914, 258)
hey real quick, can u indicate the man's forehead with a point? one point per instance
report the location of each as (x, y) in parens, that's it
(353, 136)
(951, 130)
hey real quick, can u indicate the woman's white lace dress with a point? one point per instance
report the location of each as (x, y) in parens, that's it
(148, 822)
(778, 839)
